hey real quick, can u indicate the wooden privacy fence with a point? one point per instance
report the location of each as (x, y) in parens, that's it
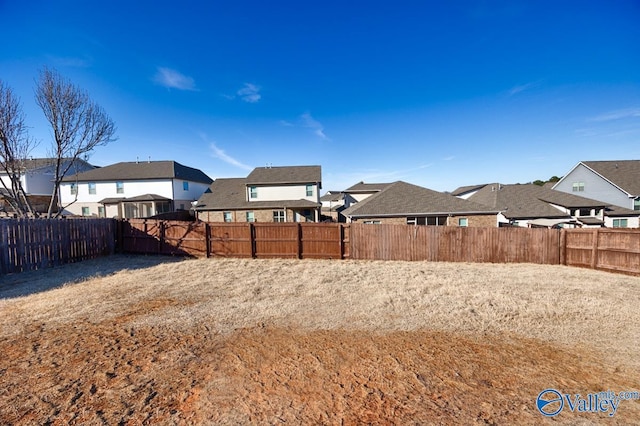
(259, 240)
(598, 248)
(454, 244)
(38, 243)
(614, 250)
(27, 244)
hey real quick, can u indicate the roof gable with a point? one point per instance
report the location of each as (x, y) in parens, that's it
(625, 174)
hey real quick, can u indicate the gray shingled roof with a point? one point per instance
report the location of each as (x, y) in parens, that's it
(40, 163)
(404, 199)
(623, 173)
(142, 171)
(284, 175)
(332, 196)
(530, 201)
(231, 194)
(367, 187)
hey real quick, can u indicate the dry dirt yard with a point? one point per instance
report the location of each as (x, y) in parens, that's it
(146, 340)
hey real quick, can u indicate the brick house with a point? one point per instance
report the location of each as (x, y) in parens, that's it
(404, 203)
(267, 194)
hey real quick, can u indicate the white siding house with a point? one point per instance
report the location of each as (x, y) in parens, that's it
(37, 179)
(133, 189)
(614, 182)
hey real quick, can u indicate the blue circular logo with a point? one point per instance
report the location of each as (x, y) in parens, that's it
(550, 402)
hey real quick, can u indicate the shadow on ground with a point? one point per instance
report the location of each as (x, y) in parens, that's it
(31, 282)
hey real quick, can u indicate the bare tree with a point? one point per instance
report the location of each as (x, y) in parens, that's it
(15, 147)
(79, 125)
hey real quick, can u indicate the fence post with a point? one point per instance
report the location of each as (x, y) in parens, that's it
(594, 251)
(4, 246)
(160, 235)
(207, 239)
(299, 229)
(252, 239)
(341, 239)
(563, 247)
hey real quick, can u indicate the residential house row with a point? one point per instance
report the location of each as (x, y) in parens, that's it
(595, 193)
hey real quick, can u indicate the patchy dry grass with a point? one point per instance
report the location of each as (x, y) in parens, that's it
(243, 341)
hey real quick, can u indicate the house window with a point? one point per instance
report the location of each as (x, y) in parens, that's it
(578, 187)
(119, 188)
(163, 207)
(92, 187)
(421, 220)
(636, 204)
(74, 188)
(185, 186)
(584, 212)
(250, 217)
(279, 216)
(85, 211)
(309, 190)
(371, 222)
(463, 221)
(619, 223)
(101, 212)
(437, 220)
(227, 217)
(253, 192)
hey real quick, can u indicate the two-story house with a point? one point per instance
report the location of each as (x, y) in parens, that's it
(267, 194)
(37, 177)
(614, 182)
(133, 189)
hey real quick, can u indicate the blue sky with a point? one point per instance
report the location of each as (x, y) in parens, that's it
(436, 93)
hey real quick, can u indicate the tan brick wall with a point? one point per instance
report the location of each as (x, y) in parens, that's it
(385, 220)
(211, 216)
(475, 221)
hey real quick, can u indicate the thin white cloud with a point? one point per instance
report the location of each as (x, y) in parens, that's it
(618, 115)
(173, 79)
(449, 158)
(250, 93)
(220, 154)
(523, 87)
(217, 152)
(311, 123)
